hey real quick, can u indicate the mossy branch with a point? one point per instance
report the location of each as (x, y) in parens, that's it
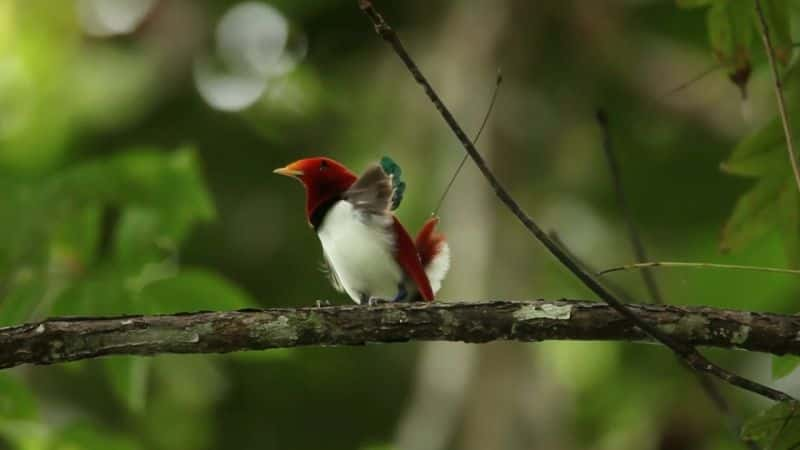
(60, 340)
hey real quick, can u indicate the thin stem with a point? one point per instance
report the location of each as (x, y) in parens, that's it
(706, 383)
(618, 290)
(778, 85)
(633, 232)
(691, 81)
(687, 352)
(698, 265)
(498, 81)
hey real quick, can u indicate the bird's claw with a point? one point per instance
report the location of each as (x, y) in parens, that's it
(321, 303)
(374, 301)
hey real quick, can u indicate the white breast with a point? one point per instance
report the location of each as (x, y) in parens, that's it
(360, 249)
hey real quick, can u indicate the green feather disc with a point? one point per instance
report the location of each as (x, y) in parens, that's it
(398, 185)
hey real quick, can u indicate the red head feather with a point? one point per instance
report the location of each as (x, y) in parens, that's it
(323, 178)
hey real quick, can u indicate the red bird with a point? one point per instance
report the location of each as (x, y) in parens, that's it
(369, 253)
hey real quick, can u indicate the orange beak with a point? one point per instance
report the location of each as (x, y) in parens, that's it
(288, 171)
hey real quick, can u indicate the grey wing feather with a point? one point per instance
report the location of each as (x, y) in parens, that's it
(327, 267)
(372, 192)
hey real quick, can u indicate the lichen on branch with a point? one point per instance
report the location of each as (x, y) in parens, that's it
(60, 340)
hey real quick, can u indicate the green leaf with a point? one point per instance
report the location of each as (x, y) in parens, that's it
(778, 17)
(772, 204)
(755, 213)
(193, 290)
(171, 183)
(730, 32)
(143, 238)
(160, 196)
(688, 4)
(759, 153)
(776, 428)
(784, 365)
(129, 376)
(105, 291)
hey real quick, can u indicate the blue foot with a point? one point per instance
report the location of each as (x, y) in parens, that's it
(402, 293)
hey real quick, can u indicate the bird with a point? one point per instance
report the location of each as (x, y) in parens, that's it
(368, 253)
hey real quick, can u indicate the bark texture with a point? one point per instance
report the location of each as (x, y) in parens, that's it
(68, 339)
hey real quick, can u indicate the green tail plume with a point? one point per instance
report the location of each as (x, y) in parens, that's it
(398, 185)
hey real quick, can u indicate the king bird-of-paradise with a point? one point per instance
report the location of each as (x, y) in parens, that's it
(369, 253)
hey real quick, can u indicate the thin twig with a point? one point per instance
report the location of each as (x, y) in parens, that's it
(498, 81)
(640, 253)
(585, 266)
(698, 265)
(633, 232)
(686, 351)
(691, 81)
(778, 85)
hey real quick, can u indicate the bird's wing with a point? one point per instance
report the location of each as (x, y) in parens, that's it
(379, 189)
(372, 192)
(407, 256)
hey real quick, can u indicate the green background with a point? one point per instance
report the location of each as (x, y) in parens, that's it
(123, 191)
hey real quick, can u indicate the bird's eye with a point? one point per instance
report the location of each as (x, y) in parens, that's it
(323, 165)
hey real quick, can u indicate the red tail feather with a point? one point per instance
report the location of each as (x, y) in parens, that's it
(410, 261)
(429, 242)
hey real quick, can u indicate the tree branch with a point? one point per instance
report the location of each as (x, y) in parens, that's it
(60, 340)
(682, 349)
(640, 253)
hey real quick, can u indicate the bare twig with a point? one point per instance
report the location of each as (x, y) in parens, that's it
(686, 351)
(498, 81)
(60, 340)
(699, 265)
(778, 85)
(706, 383)
(585, 266)
(633, 232)
(691, 81)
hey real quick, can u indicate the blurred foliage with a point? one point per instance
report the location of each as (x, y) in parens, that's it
(123, 192)
(784, 365)
(773, 202)
(776, 427)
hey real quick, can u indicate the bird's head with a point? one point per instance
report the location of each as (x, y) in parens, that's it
(323, 178)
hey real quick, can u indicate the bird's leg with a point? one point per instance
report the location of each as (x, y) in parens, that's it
(402, 293)
(321, 303)
(374, 301)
